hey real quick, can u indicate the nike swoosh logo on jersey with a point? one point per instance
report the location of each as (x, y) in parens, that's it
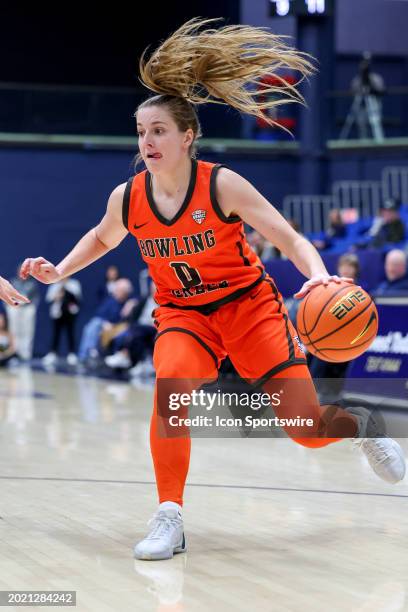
(254, 296)
(139, 226)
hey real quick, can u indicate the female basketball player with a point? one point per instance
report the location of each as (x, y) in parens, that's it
(10, 295)
(213, 294)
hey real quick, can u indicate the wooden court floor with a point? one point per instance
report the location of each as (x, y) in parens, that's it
(270, 525)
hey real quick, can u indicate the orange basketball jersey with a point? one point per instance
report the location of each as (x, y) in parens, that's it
(200, 259)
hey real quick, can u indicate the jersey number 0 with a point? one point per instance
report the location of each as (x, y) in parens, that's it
(188, 277)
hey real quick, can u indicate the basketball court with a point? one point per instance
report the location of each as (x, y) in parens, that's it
(270, 525)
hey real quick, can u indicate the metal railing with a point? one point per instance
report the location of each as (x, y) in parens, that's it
(395, 182)
(311, 212)
(364, 196)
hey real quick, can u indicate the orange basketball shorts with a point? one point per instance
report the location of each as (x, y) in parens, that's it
(254, 331)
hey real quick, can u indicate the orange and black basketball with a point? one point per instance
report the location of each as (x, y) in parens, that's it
(337, 322)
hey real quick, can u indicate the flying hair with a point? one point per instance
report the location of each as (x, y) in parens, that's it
(227, 65)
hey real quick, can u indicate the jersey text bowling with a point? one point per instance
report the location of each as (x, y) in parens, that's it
(200, 258)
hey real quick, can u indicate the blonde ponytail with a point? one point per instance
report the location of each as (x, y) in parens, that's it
(226, 66)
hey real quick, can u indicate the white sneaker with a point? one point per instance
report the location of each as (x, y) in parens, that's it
(166, 536)
(50, 358)
(72, 359)
(118, 360)
(385, 456)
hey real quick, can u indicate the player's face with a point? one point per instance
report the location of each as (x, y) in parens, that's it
(161, 143)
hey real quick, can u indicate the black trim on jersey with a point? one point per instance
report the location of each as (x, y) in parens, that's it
(281, 366)
(241, 252)
(214, 201)
(285, 316)
(126, 202)
(207, 309)
(194, 335)
(189, 195)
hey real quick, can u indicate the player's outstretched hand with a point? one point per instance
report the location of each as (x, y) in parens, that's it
(40, 269)
(10, 295)
(320, 279)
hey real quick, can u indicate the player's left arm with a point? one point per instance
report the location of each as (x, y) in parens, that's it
(236, 196)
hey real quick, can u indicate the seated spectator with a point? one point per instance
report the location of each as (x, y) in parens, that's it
(348, 265)
(337, 229)
(111, 276)
(7, 345)
(107, 314)
(388, 227)
(135, 344)
(64, 298)
(395, 268)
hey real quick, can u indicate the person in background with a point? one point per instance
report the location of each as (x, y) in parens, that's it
(368, 88)
(134, 346)
(388, 227)
(349, 263)
(111, 276)
(65, 298)
(10, 295)
(108, 314)
(395, 268)
(7, 345)
(337, 229)
(22, 320)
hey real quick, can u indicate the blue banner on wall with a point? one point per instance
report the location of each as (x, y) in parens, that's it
(383, 369)
(387, 357)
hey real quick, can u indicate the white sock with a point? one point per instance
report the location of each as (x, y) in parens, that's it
(170, 505)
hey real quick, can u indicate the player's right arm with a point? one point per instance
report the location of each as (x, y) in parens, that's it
(97, 242)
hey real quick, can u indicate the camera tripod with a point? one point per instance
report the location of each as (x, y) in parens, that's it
(365, 111)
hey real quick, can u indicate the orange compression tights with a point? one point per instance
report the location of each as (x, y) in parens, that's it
(171, 454)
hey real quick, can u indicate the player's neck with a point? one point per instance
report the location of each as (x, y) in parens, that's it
(172, 183)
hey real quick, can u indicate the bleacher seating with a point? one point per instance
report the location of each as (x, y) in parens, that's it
(311, 212)
(355, 235)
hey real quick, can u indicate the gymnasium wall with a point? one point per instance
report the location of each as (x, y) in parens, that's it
(51, 197)
(378, 26)
(49, 200)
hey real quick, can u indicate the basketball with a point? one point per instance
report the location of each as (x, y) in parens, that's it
(337, 322)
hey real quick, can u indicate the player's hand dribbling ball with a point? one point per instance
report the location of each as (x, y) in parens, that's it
(337, 322)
